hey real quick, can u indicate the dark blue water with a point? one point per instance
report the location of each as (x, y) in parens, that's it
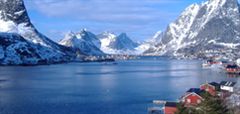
(95, 88)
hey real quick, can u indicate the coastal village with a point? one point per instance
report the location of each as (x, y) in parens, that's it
(219, 97)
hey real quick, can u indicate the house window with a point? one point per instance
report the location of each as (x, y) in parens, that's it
(207, 89)
(198, 101)
(188, 100)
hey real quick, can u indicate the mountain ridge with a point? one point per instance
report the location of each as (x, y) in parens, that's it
(14, 20)
(211, 25)
(84, 42)
(117, 44)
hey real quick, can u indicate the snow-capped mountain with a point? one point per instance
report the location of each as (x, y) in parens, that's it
(16, 50)
(156, 38)
(112, 44)
(84, 42)
(123, 42)
(14, 20)
(151, 43)
(212, 26)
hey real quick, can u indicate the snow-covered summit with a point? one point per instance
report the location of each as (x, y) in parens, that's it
(113, 44)
(150, 43)
(212, 25)
(14, 19)
(84, 42)
(123, 42)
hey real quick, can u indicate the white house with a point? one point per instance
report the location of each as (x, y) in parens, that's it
(227, 86)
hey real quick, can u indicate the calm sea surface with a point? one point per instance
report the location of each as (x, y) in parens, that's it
(96, 88)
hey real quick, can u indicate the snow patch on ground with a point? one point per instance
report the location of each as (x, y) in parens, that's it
(19, 13)
(229, 45)
(8, 26)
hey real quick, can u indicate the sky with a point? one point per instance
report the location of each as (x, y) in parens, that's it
(140, 19)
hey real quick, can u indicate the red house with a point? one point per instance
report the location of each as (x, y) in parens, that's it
(232, 69)
(212, 88)
(170, 108)
(192, 97)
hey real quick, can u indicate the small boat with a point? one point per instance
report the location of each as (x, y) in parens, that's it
(159, 102)
(209, 63)
(212, 64)
(206, 65)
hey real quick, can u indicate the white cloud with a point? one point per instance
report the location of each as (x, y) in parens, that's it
(101, 10)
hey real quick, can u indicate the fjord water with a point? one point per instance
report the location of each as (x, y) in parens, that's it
(97, 88)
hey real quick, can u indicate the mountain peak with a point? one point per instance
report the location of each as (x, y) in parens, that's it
(14, 10)
(84, 30)
(112, 44)
(211, 25)
(84, 41)
(108, 33)
(158, 35)
(18, 29)
(222, 3)
(123, 34)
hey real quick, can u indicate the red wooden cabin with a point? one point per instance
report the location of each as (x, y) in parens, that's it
(232, 69)
(170, 108)
(212, 88)
(192, 97)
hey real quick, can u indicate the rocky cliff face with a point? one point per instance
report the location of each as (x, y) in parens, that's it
(14, 19)
(213, 26)
(15, 50)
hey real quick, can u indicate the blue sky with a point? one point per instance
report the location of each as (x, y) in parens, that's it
(140, 19)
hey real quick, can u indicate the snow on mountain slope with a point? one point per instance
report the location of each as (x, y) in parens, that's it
(14, 20)
(156, 38)
(15, 50)
(84, 42)
(150, 43)
(122, 44)
(106, 38)
(212, 25)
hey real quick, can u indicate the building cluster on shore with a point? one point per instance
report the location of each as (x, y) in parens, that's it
(194, 97)
(230, 67)
(106, 58)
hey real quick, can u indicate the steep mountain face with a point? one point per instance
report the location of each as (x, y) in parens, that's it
(113, 44)
(151, 43)
(213, 26)
(106, 38)
(15, 50)
(84, 42)
(123, 42)
(156, 38)
(14, 19)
